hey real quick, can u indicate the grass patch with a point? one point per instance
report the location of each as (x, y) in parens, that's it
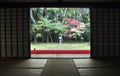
(63, 46)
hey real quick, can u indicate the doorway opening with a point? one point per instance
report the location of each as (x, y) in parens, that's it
(60, 32)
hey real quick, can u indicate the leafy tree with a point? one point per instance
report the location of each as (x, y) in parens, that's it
(47, 23)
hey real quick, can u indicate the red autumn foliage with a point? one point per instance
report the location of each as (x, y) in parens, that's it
(72, 21)
(71, 24)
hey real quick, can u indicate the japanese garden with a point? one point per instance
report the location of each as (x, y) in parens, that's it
(60, 28)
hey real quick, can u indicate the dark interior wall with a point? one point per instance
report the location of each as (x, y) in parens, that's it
(14, 32)
(105, 32)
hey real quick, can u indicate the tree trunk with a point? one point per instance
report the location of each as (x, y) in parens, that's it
(44, 12)
(42, 35)
(50, 37)
(47, 37)
(64, 15)
(35, 39)
(31, 16)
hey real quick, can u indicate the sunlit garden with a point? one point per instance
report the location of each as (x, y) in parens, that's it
(60, 28)
(64, 46)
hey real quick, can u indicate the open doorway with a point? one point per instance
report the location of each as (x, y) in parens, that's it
(60, 32)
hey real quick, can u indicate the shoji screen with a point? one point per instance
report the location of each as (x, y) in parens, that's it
(105, 32)
(14, 32)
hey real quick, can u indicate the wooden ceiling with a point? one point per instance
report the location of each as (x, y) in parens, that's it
(29, 1)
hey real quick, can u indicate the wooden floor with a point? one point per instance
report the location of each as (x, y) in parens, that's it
(34, 67)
